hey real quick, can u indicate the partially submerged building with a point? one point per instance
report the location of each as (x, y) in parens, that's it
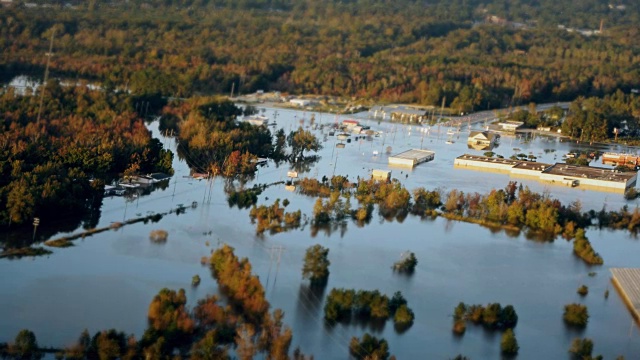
(621, 159)
(300, 102)
(402, 113)
(483, 138)
(381, 174)
(627, 281)
(563, 174)
(510, 126)
(411, 158)
(591, 176)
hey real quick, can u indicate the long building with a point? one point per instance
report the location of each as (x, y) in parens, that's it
(562, 174)
(591, 176)
(620, 159)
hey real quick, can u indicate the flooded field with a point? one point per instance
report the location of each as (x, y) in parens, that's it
(107, 281)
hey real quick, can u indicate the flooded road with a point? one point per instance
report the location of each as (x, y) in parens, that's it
(108, 280)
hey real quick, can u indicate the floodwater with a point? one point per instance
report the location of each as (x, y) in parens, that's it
(108, 280)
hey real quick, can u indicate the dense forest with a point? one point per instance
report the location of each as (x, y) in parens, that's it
(476, 54)
(55, 162)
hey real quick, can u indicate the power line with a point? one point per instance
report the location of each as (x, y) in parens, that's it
(46, 76)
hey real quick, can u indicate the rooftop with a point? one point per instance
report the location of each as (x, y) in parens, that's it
(589, 172)
(532, 165)
(414, 154)
(489, 159)
(628, 280)
(405, 109)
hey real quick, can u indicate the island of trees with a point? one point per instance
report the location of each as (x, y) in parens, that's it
(342, 304)
(316, 265)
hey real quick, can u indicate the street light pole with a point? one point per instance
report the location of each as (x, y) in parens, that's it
(36, 222)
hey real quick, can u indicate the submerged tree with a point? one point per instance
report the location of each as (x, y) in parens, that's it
(300, 141)
(369, 348)
(576, 315)
(508, 343)
(407, 264)
(581, 348)
(25, 346)
(316, 265)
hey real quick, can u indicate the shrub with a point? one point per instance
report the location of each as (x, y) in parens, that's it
(403, 317)
(158, 236)
(459, 327)
(583, 290)
(581, 348)
(631, 194)
(407, 264)
(576, 315)
(508, 343)
(369, 348)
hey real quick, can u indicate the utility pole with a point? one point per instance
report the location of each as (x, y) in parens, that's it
(46, 76)
(36, 222)
(280, 249)
(275, 253)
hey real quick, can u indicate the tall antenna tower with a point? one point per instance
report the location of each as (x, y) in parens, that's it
(46, 76)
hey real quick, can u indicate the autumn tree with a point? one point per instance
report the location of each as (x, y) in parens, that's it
(508, 343)
(576, 315)
(370, 347)
(25, 346)
(169, 318)
(316, 265)
(581, 348)
(300, 141)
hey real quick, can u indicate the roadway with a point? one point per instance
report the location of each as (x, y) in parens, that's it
(491, 115)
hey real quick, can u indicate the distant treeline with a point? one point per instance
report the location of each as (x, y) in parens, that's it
(408, 51)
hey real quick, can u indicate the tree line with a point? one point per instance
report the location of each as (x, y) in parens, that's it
(399, 51)
(514, 208)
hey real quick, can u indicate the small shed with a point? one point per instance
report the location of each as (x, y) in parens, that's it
(378, 174)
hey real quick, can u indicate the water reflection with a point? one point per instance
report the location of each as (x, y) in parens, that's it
(329, 228)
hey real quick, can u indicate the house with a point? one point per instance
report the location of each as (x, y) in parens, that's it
(300, 102)
(483, 138)
(350, 123)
